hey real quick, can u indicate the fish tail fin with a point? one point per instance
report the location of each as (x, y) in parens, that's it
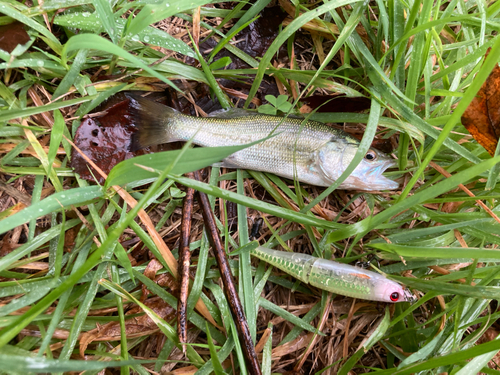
(151, 121)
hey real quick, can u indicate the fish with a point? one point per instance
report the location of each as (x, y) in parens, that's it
(308, 151)
(335, 277)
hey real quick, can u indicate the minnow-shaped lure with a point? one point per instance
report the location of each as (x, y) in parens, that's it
(335, 277)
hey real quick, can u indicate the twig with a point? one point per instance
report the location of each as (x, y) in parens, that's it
(184, 262)
(38, 102)
(13, 192)
(228, 281)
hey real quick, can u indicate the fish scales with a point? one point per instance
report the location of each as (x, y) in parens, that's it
(309, 151)
(275, 155)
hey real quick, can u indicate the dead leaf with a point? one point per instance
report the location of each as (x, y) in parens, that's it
(166, 280)
(299, 343)
(135, 327)
(12, 35)
(105, 139)
(5, 247)
(482, 116)
(150, 272)
(188, 370)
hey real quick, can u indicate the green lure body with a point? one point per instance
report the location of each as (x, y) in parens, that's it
(334, 277)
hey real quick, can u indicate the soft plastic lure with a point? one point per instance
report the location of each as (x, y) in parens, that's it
(335, 277)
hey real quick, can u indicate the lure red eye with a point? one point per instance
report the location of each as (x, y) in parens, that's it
(395, 297)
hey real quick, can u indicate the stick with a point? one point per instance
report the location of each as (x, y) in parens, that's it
(228, 281)
(184, 263)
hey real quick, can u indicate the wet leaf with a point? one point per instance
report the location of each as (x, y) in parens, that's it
(12, 35)
(482, 117)
(105, 140)
(90, 22)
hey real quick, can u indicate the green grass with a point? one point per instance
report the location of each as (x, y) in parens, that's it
(398, 53)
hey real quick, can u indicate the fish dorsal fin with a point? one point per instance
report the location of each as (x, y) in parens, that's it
(296, 116)
(240, 112)
(232, 113)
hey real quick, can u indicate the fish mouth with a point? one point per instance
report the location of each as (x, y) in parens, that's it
(375, 180)
(382, 182)
(369, 177)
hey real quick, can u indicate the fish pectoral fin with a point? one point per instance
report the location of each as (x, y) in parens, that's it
(323, 174)
(328, 174)
(314, 168)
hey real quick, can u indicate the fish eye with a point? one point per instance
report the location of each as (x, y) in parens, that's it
(371, 155)
(394, 297)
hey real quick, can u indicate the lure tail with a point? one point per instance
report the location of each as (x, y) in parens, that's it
(153, 122)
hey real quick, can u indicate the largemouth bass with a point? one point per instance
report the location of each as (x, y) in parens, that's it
(312, 152)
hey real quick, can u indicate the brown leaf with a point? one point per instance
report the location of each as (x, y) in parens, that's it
(150, 272)
(105, 139)
(135, 327)
(5, 247)
(70, 237)
(166, 280)
(482, 116)
(259, 35)
(299, 343)
(188, 370)
(12, 35)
